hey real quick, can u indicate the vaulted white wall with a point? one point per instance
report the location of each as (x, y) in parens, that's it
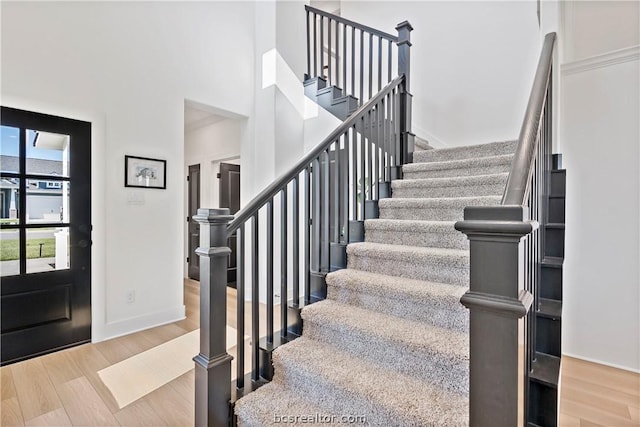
(472, 64)
(128, 67)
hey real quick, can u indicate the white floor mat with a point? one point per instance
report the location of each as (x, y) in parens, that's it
(141, 374)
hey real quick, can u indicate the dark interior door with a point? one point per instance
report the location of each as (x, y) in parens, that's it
(45, 293)
(230, 198)
(194, 229)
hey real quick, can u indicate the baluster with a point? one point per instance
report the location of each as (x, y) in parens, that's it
(353, 61)
(362, 100)
(315, 45)
(379, 63)
(307, 239)
(321, 71)
(270, 271)
(255, 300)
(344, 188)
(330, 81)
(325, 212)
(284, 298)
(336, 192)
(337, 53)
(362, 181)
(370, 94)
(317, 218)
(344, 59)
(308, 47)
(389, 62)
(387, 139)
(354, 173)
(369, 135)
(375, 156)
(295, 219)
(240, 307)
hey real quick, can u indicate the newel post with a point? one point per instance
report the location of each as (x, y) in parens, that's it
(407, 138)
(497, 302)
(213, 363)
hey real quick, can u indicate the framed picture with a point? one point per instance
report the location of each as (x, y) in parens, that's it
(142, 172)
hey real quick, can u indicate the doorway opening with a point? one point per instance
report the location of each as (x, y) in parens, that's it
(212, 141)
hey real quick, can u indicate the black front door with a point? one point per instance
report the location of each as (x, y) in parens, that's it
(45, 233)
(194, 227)
(230, 198)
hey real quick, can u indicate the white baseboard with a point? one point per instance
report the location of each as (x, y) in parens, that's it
(140, 323)
(600, 362)
(432, 139)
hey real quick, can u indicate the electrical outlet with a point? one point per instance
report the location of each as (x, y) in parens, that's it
(131, 297)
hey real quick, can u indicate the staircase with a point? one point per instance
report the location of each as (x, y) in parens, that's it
(388, 315)
(390, 342)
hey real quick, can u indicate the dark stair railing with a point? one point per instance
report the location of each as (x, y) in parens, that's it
(358, 59)
(306, 217)
(506, 254)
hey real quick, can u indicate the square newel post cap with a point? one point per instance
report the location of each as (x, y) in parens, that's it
(404, 29)
(208, 215)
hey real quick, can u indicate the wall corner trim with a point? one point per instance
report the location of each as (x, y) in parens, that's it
(608, 59)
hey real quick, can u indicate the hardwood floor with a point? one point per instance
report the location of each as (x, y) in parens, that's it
(63, 389)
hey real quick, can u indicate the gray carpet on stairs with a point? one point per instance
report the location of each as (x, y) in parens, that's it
(390, 342)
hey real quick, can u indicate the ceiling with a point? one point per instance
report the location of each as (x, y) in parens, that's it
(195, 118)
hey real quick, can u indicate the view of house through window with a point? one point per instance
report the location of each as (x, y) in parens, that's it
(35, 164)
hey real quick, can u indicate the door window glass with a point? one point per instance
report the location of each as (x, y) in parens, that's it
(47, 153)
(47, 249)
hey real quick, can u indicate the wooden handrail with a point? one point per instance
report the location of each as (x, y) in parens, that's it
(276, 186)
(516, 189)
(353, 24)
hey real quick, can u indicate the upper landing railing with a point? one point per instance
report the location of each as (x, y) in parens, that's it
(354, 57)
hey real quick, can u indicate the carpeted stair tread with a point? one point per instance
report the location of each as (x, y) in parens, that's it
(437, 355)
(440, 208)
(464, 186)
(344, 384)
(434, 303)
(432, 264)
(464, 167)
(465, 152)
(263, 407)
(441, 234)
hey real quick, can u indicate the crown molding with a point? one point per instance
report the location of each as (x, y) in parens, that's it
(608, 59)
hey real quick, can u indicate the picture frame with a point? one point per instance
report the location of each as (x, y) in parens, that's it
(144, 172)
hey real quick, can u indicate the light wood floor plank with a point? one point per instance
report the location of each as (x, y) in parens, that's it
(114, 350)
(568, 420)
(7, 389)
(11, 413)
(90, 361)
(34, 389)
(591, 414)
(606, 376)
(137, 414)
(171, 406)
(61, 367)
(162, 334)
(184, 385)
(84, 405)
(571, 385)
(57, 418)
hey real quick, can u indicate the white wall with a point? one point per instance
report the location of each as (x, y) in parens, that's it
(599, 139)
(472, 64)
(128, 67)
